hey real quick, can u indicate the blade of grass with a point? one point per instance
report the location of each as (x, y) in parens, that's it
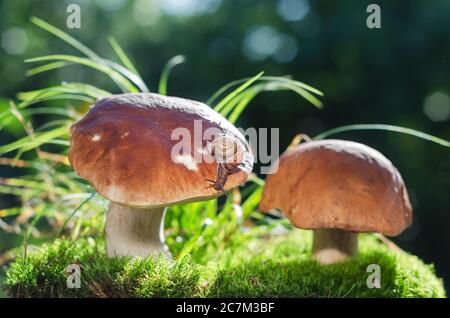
(30, 184)
(7, 118)
(226, 87)
(235, 92)
(238, 104)
(242, 105)
(251, 202)
(293, 82)
(128, 73)
(304, 93)
(51, 123)
(35, 144)
(65, 37)
(28, 143)
(11, 190)
(15, 163)
(174, 61)
(392, 128)
(73, 213)
(124, 84)
(29, 230)
(283, 79)
(129, 70)
(122, 56)
(232, 104)
(135, 79)
(46, 111)
(46, 67)
(73, 88)
(257, 180)
(56, 97)
(9, 212)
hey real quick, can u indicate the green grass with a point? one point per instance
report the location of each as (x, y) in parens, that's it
(269, 266)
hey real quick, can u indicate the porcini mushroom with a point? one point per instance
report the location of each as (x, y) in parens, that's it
(338, 188)
(124, 146)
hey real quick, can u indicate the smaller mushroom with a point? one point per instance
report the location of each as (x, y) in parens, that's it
(338, 188)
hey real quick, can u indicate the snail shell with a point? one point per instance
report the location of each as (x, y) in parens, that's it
(226, 149)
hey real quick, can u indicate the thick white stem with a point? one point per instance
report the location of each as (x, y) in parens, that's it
(334, 245)
(135, 232)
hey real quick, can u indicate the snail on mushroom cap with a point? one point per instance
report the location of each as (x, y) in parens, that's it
(228, 153)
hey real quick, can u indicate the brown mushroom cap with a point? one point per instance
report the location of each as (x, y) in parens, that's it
(123, 147)
(338, 184)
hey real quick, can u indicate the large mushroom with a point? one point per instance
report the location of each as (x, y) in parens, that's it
(126, 147)
(338, 188)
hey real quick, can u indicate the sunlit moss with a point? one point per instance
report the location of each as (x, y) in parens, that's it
(270, 266)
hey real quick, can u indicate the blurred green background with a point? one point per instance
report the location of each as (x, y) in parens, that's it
(399, 75)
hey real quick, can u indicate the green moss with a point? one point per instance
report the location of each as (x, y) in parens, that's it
(283, 267)
(269, 266)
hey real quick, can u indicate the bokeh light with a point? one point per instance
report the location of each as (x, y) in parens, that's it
(14, 41)
(264, 41)
(293, 10)
(437, 106)
(146, 12)
(189, 7)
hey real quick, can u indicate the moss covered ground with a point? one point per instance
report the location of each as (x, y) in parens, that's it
(271, 266)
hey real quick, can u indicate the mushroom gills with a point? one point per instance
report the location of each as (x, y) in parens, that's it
(334, 245)
(135, 232)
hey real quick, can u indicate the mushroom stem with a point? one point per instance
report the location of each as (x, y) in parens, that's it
(334, 245)
(135, 231)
